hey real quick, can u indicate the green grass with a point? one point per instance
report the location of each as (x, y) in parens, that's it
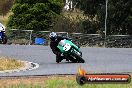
(65, 83)
(24, 86)
(73, 84)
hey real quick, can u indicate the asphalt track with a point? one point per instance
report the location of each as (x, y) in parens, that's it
(98, 60)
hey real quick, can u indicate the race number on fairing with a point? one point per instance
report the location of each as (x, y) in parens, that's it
(66, 47)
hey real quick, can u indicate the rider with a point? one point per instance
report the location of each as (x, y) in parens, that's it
(2, 28)
(54, 40)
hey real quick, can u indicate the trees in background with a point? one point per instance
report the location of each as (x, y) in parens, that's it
(35, 15)
(67, 24)
(119, 15)
(41, 15)
(5, 6)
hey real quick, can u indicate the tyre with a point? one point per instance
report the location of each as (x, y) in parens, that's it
(79, 58)
(81, 61)
(72, 59)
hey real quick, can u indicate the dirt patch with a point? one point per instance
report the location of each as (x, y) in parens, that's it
(7, 63)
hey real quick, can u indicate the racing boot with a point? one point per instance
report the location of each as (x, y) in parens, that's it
(67, 59)
(59, 59)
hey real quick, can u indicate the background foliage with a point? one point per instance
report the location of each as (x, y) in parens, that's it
(34, 14)
(46, 15)
(5, 6)
(119, 15)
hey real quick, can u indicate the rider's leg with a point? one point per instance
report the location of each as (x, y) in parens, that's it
(59, 58)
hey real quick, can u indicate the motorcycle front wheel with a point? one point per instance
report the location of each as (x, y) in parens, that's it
(78, 58)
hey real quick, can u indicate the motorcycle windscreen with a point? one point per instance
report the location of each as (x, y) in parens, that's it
(60, 46)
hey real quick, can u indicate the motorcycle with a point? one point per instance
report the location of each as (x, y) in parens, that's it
(3, 38)
(70, 51)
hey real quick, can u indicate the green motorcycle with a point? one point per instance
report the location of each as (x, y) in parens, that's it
(70, 51)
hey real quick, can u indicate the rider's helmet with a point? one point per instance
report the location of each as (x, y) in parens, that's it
(52, 36)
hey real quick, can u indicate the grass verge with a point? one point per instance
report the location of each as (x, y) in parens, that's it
(53, 82)
(7, 63)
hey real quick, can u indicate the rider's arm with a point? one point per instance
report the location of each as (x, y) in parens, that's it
(54, 49)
